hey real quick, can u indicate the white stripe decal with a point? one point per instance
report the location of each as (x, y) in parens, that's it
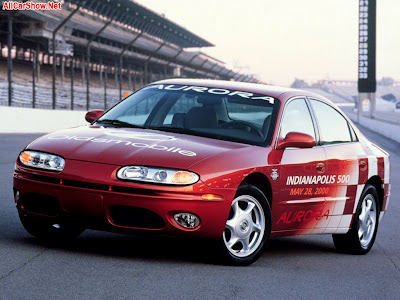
(305, 201)
(387, 169)
(372, 166)
(345, 221)
(337, 199)
(339, 206)
(334, 222)
(302, 201)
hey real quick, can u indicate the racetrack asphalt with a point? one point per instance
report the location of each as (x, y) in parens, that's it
(102, 265)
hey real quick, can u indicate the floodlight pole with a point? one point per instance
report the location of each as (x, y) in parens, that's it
(9, 57)
(88, 60)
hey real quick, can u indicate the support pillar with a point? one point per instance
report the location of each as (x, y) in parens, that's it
(105, 87)
(129, 77)
(101, 72)
(72, 83)
(34, 58)
(116, 74)
(120, 77)
(9, 58)
(62, 61)
(372, 105)
(145, 74)
(38, 63)
(88, 78)
(83, 69)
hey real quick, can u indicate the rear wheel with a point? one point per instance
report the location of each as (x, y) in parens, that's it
(50, 229)
(248, 227)
(361, 237)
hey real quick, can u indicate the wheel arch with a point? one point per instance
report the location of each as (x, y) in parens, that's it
(376, 182)
(260, 181)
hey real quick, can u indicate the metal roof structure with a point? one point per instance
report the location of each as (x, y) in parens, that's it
(133, 14)
(120, 36)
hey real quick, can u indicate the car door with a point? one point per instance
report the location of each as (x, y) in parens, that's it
(299, 207)
(345, 163)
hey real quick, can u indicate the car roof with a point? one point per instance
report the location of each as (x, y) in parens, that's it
(282, 93)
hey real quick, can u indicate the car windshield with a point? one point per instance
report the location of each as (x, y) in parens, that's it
(211, 112)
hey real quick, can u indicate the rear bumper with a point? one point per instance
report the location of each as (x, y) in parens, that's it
(151, 207)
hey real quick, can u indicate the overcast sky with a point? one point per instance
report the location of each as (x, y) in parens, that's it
(286, 39)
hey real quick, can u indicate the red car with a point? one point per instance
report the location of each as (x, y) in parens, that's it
(234, 162)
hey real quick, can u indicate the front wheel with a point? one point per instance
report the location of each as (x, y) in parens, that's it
(50, 230)
(248, 227)
(361, 237)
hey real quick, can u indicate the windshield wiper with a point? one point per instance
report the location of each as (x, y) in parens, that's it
(174, 129)
(118, 123)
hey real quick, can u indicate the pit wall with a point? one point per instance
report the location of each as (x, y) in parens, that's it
(29, 120)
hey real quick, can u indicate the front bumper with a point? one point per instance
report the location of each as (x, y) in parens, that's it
(91, 191)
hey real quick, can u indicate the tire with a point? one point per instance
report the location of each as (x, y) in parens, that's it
(50, 230)
(248, 227)
(361, 237)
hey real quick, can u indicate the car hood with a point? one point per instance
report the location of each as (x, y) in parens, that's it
(131, 146)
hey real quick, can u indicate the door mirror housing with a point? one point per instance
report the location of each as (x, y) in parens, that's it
(93, 115)
(296, 140)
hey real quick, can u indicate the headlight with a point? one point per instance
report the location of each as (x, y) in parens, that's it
(42, 160)
(157, 175)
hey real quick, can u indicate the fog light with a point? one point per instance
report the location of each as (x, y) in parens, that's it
(187, 220)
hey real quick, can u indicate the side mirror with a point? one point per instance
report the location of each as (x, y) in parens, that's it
(93, 115)
(296, 140)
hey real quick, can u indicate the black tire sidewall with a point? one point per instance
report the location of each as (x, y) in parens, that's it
(369, 189)
(41, 228)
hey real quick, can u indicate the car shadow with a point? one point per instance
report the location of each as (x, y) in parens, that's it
(302, 245)
(174, 249)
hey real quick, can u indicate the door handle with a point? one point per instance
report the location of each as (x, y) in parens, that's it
(320, 168)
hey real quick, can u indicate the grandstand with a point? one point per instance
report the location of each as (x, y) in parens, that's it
(101, 49)
(342, 92)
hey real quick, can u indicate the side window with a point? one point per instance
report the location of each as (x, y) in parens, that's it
(297, 118)
(255, 114)
(333, 126)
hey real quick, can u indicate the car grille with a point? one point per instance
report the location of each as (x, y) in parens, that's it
(92, 186)
(136, 217)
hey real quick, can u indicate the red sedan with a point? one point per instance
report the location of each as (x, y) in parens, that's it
(234, 162)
